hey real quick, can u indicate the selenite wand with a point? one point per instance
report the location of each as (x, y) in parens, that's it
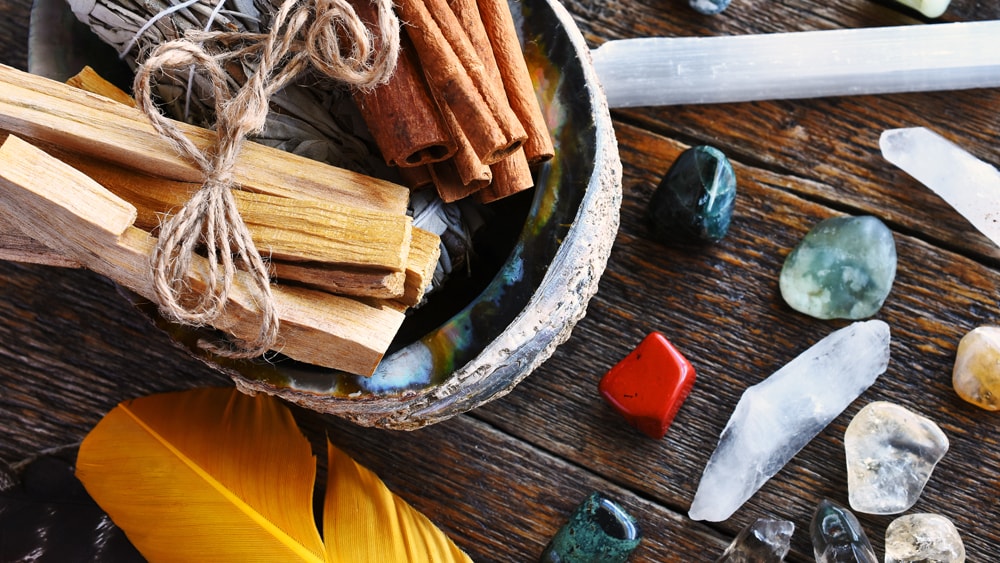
(808, 64)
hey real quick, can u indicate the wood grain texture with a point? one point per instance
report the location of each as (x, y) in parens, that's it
(502, 479)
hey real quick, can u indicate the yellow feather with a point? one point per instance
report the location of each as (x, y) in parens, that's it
(359, 506)
(216, 475)
(205, 475)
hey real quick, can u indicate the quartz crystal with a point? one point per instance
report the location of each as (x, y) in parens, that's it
(890, 453)
(599, 530)
(777, 417)
(968, 184)
(976, 375)
(923, 538)
(763, 541)
(649, 385)
(838, 537)
(842, 269)
(694, 201)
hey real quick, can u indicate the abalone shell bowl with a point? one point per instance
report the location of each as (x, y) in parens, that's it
(473, 340)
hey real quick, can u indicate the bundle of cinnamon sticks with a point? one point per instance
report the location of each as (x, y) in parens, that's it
(460, 113)
(87, 176)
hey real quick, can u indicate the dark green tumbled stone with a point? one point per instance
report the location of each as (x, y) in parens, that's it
(694, 201)
(598, 531)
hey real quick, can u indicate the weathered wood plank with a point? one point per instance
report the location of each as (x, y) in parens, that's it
(721, 307)
(71, 347)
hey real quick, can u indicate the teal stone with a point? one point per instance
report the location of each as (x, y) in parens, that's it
(842, 269)
(838, 537)
(709, 7)
(694, 201)
(598, 531)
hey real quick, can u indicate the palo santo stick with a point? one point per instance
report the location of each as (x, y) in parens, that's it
(520, 90)
(424, 254)
(285, 229)
(15, 246)
(366, 282)
(62, 207)
(88, 79)
(89, 124)
(452, 68)
(403, 119)
(425, 250)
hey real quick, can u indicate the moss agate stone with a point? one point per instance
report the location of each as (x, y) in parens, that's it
(694, 201)
(598, 531)
(842, 269)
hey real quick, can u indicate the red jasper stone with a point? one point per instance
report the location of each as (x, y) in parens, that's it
(649, 385)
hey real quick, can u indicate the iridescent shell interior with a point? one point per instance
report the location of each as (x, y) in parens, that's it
(534, 272)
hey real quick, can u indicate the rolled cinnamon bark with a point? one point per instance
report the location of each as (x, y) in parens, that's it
(510, 176)
(520, 90)
(403, 119)
(453, 69)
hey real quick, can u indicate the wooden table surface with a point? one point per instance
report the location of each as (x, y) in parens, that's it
(502, 479)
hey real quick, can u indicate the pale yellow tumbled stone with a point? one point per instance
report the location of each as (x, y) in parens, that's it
(976, 376)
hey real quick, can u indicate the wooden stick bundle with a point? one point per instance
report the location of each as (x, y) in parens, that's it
(317, 326)
(76, 216)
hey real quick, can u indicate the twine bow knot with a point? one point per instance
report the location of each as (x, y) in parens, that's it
(327, 35)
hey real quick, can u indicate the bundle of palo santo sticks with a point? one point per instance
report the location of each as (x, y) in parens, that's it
(88, 177)
(84, 173)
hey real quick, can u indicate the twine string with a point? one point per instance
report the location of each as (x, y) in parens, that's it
(327, 35)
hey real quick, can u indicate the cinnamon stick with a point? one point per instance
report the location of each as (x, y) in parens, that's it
(416, 177)
(520, 89)
(62, 207)
(463, 174)
(450, 183)
(510, 176)
(403, 119)
(452, 68)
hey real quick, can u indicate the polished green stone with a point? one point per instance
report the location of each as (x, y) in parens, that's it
(842, 269)
(598, 531)
(694, 201)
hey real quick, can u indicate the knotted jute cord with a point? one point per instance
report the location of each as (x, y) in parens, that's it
(327, 35)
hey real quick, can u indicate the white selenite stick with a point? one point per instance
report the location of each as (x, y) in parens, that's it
(808, 64)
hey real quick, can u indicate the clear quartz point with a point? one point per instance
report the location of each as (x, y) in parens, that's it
(765, 540)
(777, 417)
(966, 183)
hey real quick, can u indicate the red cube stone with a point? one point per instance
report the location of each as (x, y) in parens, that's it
(648, 386)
